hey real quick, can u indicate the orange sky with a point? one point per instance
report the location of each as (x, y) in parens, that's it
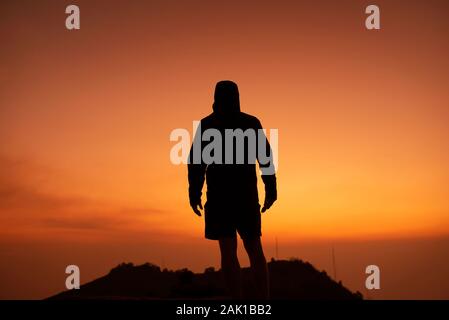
(85, 118)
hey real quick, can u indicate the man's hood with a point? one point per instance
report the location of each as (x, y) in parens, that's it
(226, 98)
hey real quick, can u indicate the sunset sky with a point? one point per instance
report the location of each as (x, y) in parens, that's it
(85, 119)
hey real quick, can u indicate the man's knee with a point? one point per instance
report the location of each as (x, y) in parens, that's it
(228, 250)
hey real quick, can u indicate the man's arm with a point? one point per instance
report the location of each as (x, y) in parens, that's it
(196, 175)
(266, 164)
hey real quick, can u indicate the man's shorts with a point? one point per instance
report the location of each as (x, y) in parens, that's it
(225, 221)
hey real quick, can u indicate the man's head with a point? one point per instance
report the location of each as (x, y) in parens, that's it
(226, 97)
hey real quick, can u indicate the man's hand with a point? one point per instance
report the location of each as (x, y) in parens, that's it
(195, 203)
(269, 200)
(271, 193)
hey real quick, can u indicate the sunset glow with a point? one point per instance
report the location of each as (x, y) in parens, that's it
(85, 119)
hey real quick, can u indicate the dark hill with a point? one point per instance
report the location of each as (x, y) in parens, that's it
(292, 279)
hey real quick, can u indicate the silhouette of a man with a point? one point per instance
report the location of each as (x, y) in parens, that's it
(232, 199)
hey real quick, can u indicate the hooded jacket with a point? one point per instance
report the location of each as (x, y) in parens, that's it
(229, 186)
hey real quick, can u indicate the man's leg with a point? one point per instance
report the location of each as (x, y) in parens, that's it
(230, 265)
(253, 247)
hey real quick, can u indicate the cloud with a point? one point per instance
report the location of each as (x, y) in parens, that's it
(22, 204)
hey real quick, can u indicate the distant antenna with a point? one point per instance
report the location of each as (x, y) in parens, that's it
(334, 264)
(277, 249)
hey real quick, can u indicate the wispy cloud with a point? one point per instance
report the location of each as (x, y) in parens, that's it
(22, 204)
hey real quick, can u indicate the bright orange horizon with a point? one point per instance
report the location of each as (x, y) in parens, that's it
(85, 119)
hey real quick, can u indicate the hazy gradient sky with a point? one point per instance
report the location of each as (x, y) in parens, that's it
(85, 118)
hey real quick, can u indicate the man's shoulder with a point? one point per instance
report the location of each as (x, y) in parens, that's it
(208, 120)
(249, 117)
(208, 117)
(243, 118)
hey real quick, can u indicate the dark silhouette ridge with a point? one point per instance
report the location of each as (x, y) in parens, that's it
(293, 279)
